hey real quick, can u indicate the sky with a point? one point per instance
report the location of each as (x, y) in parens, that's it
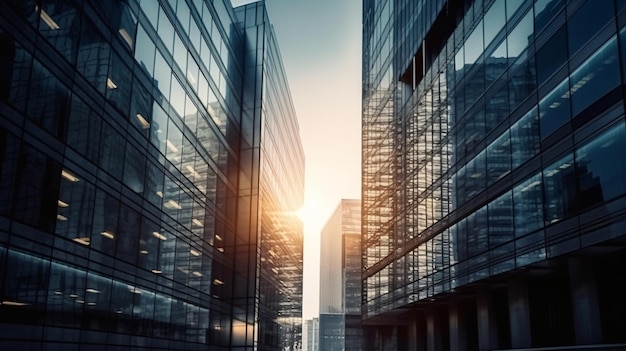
(320, 44)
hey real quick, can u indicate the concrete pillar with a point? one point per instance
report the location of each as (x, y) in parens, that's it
(519, 313)
(486, 321)
(420, 332)
(434, 330)
(585, 303)
(412, 335)
(457, 326)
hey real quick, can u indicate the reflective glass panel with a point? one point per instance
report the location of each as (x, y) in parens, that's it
(587, 21)
(601, 167)
(501, 220)
(554, 109)
(521, 36)
(595, 77)
(525, 138)
(560, 189)
(528, 206)
(499, 158)
(552, 55)
(545, 11)
(494, 20)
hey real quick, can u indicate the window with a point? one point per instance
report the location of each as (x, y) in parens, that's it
(587, 21)
(601, 167)
(560, 189)
(595, 77)
(554, 109)
(552, 55)
(527, 205)
(525, 138)
(499, 158)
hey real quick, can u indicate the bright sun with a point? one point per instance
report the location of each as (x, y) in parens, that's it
(306, 214)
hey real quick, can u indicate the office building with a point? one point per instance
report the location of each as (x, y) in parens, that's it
(310, 335)
(493, 173)
(139, 208)
(340, 279)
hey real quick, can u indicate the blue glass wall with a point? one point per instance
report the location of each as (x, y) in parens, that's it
(507, 130)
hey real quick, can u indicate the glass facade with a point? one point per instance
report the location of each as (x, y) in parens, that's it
(498, 150)
(310, 335)
(340, 279)
(129, 193)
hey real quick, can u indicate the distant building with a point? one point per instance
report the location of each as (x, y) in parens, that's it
(310, 335)
(150, 163)
(340, 279)
(494, 177)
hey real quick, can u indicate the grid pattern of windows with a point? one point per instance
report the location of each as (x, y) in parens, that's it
(124, 219)
(496, 131)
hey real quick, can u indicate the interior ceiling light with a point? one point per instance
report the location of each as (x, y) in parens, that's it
(69, 176)
(143, 122)
(83, 240)
(108, 234)
(126, 37)
(159, 235)
(110, 84)
(47, 19)
(171, 204)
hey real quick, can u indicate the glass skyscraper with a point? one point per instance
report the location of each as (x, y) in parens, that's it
(340, 279)
(493, 173)
(310, 335)
(141, 145)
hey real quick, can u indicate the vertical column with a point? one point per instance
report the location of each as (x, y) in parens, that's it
(486, 320)
(585, 304)
(519, 314)
(420, 332)
(435, 332)
(411, 335)
(458, 327)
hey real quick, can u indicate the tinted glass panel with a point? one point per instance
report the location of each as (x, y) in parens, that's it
(477, 225)
(474, 45)
(521, 36)
(36, 189)
(545, 11)
(497, 108)
(525, 138)
(112, 150)
(84, 129)
(587, 21)
(523, 83)
(499, 158)
(560, 189)
(552, 55)
(48, 99)
(14, 78)
(494, 21)
(501, 220)
(601, 167)
(93, 56)
(528, 206)
(144, 51)
(595, 77)
(554, 109)
(63, 27)
(9, 155)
